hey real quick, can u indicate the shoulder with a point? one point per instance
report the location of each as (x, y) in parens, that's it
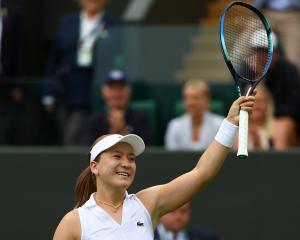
(71, 217)
(110, 21)
(136, 113)
(214, 118)
(149, 197)
(97, 116)
(69, 227)
(178, 121)
(205, 234)
(69, 18)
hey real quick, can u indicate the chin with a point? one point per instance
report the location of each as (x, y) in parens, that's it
(124, 184)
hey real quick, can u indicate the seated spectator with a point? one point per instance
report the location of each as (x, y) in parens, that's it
(117, 116)
(283, 82)
(261, 121)
(12, 64)
(196, 128)
(174, 226)
(284, 17)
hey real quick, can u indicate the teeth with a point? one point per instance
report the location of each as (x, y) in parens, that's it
(123, 174)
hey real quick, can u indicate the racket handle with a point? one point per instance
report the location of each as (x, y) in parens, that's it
(243, 135)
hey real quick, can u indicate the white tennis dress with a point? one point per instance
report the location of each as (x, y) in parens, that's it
(96, 224)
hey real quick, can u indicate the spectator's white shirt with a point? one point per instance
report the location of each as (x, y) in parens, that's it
(179, 132)
(164, 234)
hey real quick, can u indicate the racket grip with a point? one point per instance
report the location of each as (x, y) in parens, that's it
(243, 135)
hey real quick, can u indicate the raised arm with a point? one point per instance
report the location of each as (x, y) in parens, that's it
(165, 198)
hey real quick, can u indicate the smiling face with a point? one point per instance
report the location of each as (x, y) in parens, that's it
(116, 167)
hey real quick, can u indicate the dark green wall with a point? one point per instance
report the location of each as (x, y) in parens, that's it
(250, 199)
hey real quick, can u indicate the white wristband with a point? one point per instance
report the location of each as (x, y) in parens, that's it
(226, 133)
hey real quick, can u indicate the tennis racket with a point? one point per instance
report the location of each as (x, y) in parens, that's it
(246, 44)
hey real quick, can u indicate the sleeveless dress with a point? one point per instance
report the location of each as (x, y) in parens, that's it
(97, 224)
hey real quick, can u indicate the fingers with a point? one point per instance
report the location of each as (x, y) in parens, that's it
(244, 103)
(247, 109)
(243, 99)
(247, 103)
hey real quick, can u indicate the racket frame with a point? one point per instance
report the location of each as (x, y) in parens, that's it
(243, 121)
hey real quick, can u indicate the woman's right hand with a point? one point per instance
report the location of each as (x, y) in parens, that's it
(242, 103)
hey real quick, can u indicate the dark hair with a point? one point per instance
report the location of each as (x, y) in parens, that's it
(86, 182)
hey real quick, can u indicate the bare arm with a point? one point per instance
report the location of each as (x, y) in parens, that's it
(69, 227)
(165, 198)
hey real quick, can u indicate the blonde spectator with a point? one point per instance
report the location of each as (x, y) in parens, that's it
(196, 128)
(261, 120)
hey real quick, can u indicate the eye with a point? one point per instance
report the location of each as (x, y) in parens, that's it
(131, 159)
(116, 156)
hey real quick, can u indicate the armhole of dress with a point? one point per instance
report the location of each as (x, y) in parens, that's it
(80, 214)
(145, 209)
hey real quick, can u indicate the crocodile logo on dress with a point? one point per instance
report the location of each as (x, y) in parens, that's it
(140, 224)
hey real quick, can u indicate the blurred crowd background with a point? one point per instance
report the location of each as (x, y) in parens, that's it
(73, 70)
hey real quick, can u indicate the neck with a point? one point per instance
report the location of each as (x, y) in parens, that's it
(112, 204)
(91, 14)
(257, 123)
(197, 119)
(110, 196)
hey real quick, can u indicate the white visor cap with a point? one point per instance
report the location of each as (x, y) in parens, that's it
(135, 142)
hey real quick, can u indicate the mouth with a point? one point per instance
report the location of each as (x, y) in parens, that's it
(122, 173)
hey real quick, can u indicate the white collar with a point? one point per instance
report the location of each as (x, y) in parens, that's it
(98, 17)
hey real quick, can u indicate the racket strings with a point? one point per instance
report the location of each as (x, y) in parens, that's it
(247, 42)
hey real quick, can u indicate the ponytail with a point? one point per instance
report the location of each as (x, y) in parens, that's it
(86, 182)
(85, 186)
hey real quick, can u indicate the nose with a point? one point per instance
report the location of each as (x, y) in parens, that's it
(125, 162)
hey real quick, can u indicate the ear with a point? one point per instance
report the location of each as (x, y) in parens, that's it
(129, 89)
(103, 91)
(94, 168)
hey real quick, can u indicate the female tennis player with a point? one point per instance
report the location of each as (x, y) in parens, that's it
(105, 211)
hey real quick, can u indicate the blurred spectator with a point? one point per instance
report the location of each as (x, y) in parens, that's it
(261, 121)
(117, 116)
(174, 226)
(70, 68)
(283, 82)
(284, 17)
(197, 127)
(11, 63)
(24, 120)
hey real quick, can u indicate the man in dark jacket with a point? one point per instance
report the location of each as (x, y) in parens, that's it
(173, 226)
(11, 66)
(116, 116)
(283, 81)
(72, 63)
